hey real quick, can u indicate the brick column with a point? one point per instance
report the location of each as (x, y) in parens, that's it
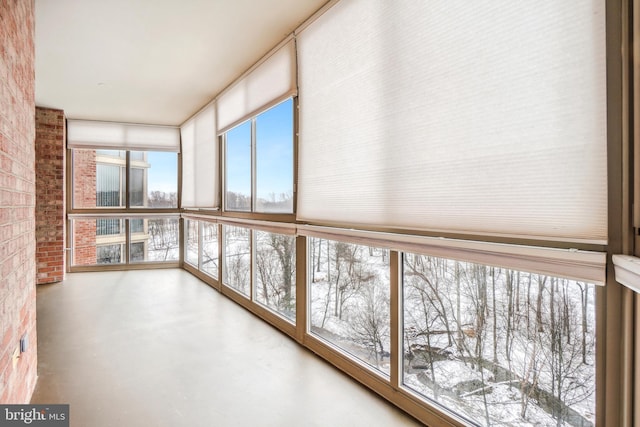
(17, 201)
(50, 195)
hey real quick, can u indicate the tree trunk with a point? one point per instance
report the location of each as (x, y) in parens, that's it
(495, 320)
(541, 285)
(585, 298)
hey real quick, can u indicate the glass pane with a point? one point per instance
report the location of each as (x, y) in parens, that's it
(276, 272)
(137, 225)
(137, 252)
(349, 291)
(109, 254)
(136, 187)
(274, 159)
(109, 226)
(117, 154)
(108, 185)
(210, 249)
(153, 179)
(98, 178)
(238, 168)
(237, 258)
(97, 241)
(137, 155)
(498, 346)
(191, 246)
(158, 242)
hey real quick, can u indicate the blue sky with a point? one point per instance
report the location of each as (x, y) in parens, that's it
(274, 153)
(163, 173)
(274, 156)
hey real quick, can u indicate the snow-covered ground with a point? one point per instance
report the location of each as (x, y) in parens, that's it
(454, 312)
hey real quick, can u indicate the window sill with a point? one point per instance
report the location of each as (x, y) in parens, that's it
(627, 271)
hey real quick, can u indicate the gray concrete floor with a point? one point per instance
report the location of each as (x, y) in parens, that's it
(160, 348)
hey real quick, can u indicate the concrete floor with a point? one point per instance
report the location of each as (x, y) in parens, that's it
(160, 348)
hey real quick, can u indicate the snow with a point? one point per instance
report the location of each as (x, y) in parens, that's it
(497, 347)
(449, 312)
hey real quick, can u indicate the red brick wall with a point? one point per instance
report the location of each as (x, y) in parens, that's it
(84, 196)
(50, 195)
(17, 200)
(84, 236)
(84, 179)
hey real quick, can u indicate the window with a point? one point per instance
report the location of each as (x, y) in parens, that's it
(237, 258)
(160, 242)
(112, 226)
(102, 240)
(499, 346)
(108, 254)
(191, 242)
(109, 185)
(350, 300)
(201, 246)
(137, 252)
(210, 249)
(136, 187)
(100, 179)
(154, 179)
(123, 166)
(238, 168)
(259, 162)
(275, 266)
(137, 225)
(108, 226)
(274, 159)
(97, 241)
(138, 156)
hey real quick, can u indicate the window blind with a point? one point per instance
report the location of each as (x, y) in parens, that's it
(483, 118)
(121, 136)
(271, 81)
(200, 160)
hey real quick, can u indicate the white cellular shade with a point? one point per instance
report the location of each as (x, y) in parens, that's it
(200, 160)
(189, 156)
(121, 136)
(485, 117)
(272, 80)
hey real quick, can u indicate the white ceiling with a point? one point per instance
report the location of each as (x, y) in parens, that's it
(152, 61)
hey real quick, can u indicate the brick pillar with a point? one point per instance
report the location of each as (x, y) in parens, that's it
(17, 201)
(50, 195)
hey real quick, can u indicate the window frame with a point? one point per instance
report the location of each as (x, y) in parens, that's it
(354, 359)
(252, 120)
(124, 184)
(124, 213)
(254, 293)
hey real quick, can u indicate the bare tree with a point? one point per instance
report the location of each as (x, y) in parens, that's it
(370, 324)
(237, 258)
(276, 271)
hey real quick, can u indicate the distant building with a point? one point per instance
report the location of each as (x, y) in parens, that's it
(102, 241)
